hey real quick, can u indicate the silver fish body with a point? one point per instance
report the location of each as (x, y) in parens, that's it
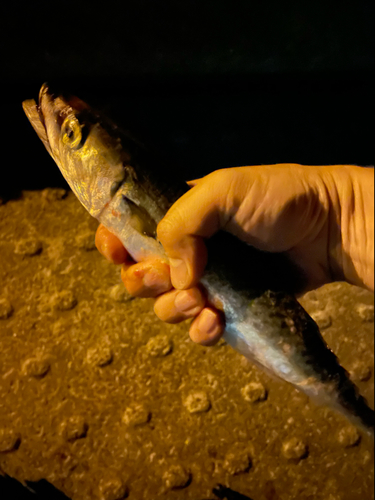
(123, 186)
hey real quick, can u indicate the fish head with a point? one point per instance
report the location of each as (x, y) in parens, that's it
(86, 148)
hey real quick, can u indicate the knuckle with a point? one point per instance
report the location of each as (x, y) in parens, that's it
(220, 176)
(166, 230)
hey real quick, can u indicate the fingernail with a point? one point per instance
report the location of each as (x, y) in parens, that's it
(207, 322)
(186, 303)
(155, 279)
(179, 273)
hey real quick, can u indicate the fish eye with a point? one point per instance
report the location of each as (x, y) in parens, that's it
(71, 132)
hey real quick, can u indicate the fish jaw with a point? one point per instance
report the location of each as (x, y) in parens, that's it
(46, 118)
(48, 135)
(31, 110)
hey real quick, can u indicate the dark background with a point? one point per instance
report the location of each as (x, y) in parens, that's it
(208, 84)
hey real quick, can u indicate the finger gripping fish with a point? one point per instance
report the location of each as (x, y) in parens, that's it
(122, 185)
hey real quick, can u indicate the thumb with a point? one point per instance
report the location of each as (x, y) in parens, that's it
(197, 215)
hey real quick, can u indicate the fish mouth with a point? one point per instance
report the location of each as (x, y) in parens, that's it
(48, 115)
(51, 109)
(41, 116)
(36, 119)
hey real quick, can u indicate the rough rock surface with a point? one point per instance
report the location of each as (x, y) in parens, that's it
(104, 401)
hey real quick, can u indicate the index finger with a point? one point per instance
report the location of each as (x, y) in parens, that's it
(197, 215)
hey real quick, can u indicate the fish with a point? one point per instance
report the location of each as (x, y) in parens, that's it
(128, 188)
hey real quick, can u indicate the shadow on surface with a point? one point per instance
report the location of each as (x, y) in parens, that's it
(11, 489)
(225, 493)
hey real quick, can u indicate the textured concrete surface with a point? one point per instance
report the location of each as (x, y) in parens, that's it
(104, 401)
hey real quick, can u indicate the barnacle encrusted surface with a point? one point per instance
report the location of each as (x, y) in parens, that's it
(100, 398)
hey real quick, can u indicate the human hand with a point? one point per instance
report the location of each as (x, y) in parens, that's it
(306, 212)
(152, 278)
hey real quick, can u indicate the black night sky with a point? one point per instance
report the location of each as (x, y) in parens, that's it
(207, 84)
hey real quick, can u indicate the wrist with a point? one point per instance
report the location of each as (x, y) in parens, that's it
(351, 190)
